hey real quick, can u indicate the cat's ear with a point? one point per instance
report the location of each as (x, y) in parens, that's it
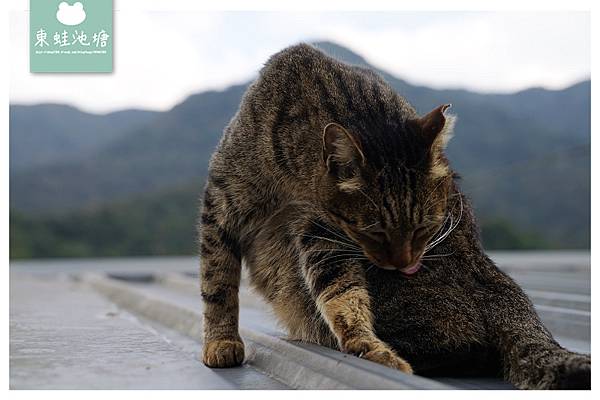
(436, 127)
(340, 147)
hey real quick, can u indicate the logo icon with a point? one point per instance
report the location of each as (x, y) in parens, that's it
(70, 15)
(70, 36)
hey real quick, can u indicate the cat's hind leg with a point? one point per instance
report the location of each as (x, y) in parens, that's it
(531, 358)
(220, 260)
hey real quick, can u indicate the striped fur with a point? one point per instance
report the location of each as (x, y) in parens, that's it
(324, 184)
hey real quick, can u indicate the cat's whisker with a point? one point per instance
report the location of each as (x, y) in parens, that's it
(369, 226)
(348, 245)
(334, 250)
(430, 203)
(427, 207)
(341, 258)
(448, 217)
(337, 255)
(371, 266)
(453, 226)
(326, 228)
(440, 229)
(426, 267)
(337, 234)
(439, 239)
(431, 191)
(368, 198)
(435, 256)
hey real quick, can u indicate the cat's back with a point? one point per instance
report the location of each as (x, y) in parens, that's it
(299, 91)
(274, 120)
(273, 145)
(286, 101)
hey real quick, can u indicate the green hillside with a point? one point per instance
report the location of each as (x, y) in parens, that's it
(161, 224)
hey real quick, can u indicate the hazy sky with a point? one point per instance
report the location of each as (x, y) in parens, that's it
(161, 57)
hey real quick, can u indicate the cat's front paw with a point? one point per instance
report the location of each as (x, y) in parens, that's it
(223, 353)
(376, 351)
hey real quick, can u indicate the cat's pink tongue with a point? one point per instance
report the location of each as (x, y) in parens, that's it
(411, 269)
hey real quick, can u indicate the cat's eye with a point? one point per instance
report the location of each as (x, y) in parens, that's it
(375, 233)
(378, 236)
(371, 232)
(420, 233)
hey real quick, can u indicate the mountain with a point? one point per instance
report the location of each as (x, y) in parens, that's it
(46, 133)
(524, 157)
(174, 148)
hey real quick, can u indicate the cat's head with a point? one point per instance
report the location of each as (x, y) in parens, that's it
(389, 191)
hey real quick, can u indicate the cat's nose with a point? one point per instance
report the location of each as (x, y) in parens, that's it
(401, 255)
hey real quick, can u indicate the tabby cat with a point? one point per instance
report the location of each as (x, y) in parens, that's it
(338, 198)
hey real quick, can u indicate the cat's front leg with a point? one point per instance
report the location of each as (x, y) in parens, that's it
(338, 285)
(220, 279)
(348, 316)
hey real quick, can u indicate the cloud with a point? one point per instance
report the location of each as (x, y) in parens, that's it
(70, 15)
(163, 56)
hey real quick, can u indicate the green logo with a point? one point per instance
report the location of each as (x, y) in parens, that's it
(71, 36)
